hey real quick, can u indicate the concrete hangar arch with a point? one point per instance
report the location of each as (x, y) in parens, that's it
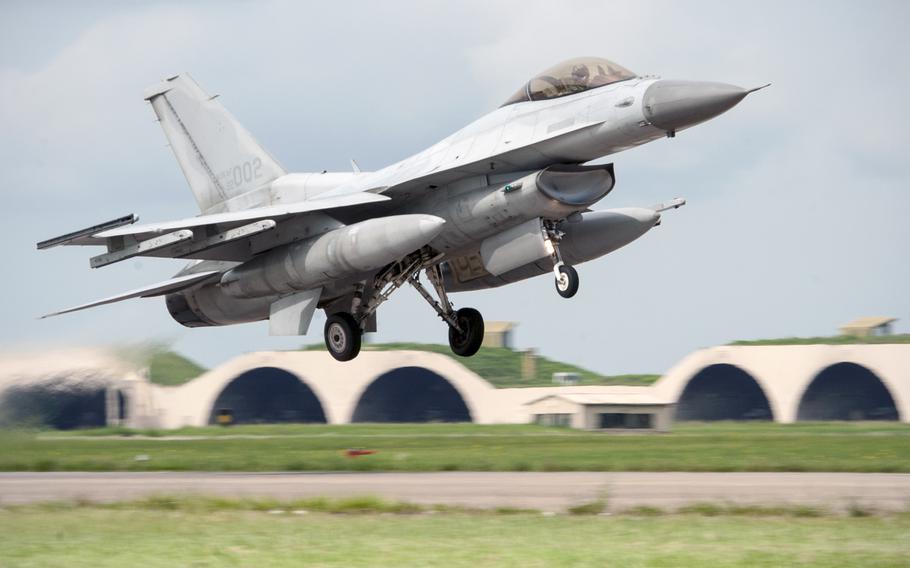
(268, 395)
(69, 388)
(798, 382)
(310, 386)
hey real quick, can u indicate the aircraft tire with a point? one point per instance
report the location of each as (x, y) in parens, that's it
(567, 283)
(342, 336)
(467, 342)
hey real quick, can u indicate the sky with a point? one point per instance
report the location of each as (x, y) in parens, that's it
(797, 197)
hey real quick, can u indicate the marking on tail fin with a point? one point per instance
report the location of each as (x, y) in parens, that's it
(221, 193)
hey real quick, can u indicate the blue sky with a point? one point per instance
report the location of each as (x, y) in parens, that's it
(797, 197)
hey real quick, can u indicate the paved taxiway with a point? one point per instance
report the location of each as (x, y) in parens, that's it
(538, 490)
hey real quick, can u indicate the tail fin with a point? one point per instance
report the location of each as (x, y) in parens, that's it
(219, 158)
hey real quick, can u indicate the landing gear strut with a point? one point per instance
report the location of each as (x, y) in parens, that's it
(465, 325)
(343, 330)
(566, 276)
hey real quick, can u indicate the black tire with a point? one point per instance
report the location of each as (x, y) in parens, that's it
(342, 336)
(567, 283)
(466, 342)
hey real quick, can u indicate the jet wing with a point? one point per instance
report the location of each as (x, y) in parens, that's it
(220, 236)
(233, 218)
(159, 289)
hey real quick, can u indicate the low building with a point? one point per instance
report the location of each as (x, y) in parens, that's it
(868, 326)
(620, 408)
(566, 379)
(498, 334)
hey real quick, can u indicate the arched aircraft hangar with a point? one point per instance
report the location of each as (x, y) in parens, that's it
(790, 383)
(70, 388)
(779, 383)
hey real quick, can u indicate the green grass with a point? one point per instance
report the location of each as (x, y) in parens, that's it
(368, 505)
(856, 447)
(359, 505)
(115, 537)
(832, 340)
(502, 367)
(592, 508)
(168, 368)
(710, 509)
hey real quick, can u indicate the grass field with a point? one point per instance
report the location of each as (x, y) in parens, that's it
(90, 536)
(847, 447)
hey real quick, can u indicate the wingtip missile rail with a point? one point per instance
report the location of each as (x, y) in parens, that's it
(88, 231)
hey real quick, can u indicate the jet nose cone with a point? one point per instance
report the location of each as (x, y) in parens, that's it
(674, 105)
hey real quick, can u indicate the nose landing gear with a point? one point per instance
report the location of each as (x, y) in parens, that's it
(566, 276)
(566, 280)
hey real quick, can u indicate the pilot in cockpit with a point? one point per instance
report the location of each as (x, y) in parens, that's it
(580, 76)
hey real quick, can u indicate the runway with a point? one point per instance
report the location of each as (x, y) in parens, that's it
(537, 490)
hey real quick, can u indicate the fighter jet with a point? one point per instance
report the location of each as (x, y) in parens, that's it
(505, 198)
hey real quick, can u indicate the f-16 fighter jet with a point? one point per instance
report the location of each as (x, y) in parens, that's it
(505, 198)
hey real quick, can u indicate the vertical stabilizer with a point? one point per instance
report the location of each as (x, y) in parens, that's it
(219, 158)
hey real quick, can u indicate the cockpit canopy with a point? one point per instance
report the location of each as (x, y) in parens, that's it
(570, 77)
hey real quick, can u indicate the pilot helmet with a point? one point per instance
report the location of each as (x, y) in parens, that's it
(580, 73)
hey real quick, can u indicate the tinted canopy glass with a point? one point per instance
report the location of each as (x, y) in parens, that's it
(570, 77)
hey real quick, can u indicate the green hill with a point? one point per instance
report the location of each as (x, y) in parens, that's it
(169, 369)
(502, 367)
(833, 340)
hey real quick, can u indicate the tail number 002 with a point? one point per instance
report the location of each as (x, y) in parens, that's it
(247, 171)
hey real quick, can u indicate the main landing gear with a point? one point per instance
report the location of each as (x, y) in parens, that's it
(566, 276)
(343, 330)
(465, 325)
(343, 336)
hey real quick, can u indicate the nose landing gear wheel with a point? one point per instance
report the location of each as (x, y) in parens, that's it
(342, 336)
(567, 281)
(466, 342)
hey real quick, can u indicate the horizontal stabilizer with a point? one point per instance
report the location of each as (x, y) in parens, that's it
(166, 287)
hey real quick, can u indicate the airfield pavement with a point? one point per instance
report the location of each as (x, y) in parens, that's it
(544, 491)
